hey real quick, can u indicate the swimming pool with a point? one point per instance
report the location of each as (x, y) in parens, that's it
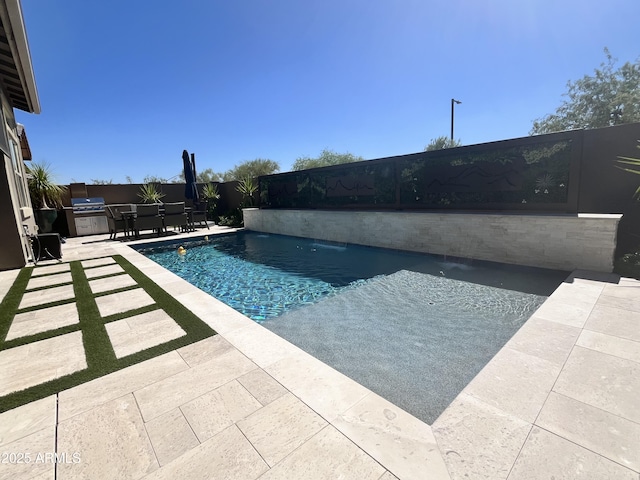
(413, 328)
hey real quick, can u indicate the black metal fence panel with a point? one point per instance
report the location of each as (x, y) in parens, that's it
(534, 173)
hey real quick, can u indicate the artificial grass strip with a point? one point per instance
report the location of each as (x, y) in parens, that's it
(10, 303)
(101, 359)
(36, 337)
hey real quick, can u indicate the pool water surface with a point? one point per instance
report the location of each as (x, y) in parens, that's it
(413, 328)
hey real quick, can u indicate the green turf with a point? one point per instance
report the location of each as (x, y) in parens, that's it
(100, 356)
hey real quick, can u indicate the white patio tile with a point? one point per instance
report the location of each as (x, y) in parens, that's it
(615, 321)
(38, 362)
(171, 392)
(478, 440)
(101, 271)
(619, 347)
(27, 419)
(123, 302)
(565, 311)
(546, 455)
(327, 391)
(42, 320)
(626, 303)
(171, 436)
(49, 269)
(137, 333)
(32, 450)
(606, 434)
(550, 341)
(214, 411)
(328, 454)
(205, 350)
(49, 280)
(111, 440)
(97, 262)
(400, 442)
(48, 295)
(102, 285)
(228, 455)
(603, 381)
(7, 278)
(279, 428)
(115, 385)
(262, 386)
(515, 382)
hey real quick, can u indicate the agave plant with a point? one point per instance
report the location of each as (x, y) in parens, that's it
(44, 192)
(631, 165)
(149, 193)
(247, 187)
(210, 193)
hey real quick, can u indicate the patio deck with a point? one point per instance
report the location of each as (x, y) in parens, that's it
(560, 400)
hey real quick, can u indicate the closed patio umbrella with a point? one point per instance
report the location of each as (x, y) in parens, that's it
(190, 189)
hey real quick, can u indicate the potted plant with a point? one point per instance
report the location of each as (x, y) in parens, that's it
(46, 195)
(149, 193)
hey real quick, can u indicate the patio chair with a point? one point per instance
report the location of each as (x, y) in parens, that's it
(147, 218)
(199, 214)
(175, 216)
(115, 220)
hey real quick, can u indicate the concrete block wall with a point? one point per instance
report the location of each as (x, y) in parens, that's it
(565, 242)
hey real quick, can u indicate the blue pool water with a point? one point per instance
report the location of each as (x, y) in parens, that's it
(413, 328)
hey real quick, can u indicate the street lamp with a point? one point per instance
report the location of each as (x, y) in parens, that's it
(453, 102)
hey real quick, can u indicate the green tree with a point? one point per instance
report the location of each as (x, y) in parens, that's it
(325, 159)
(442, 142)
(95, 181)
(44, 192)
(611, 96)
(251, 168)
(154, 179)
(208, 175)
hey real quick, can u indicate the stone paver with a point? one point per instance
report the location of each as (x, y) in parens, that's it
(38, 362)
(216, 410)
(48, 295)
(49, 280)
(32, 451)
(97, 262)
(546, 455)
(137, 333)
(123, 302)
(42, 320)
(340, 459)
(279, 428)
(171, 436)
(619, 347)
(27, 419)
(111, 440)
(102, 271)
(229, 454)
(602, 381)
(601, 432)
(262, 386)
(89, 395)
(49, 269)
(102, 285)
(615, 321)
(176, 390)
(205, 350)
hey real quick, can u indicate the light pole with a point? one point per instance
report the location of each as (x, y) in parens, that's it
(453, 102)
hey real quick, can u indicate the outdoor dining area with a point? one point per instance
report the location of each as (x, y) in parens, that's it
(131, 219)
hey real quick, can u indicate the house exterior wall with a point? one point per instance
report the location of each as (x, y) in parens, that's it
(15, 204)
(557, 241)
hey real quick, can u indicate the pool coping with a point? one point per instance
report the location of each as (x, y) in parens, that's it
(490, 428)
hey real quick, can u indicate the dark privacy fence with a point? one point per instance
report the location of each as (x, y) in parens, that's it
(535, 173)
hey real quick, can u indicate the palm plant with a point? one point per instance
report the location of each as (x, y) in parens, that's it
(211, 195)
(44, 192)
(631, 165)
(149, 193)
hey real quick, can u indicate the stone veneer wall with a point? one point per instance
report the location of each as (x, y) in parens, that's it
(564, 242)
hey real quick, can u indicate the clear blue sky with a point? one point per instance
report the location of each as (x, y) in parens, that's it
(126, 85)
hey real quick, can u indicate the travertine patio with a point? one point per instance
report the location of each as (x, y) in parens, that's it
(560, 400)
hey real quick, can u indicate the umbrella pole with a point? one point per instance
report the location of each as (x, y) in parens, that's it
(193, 165)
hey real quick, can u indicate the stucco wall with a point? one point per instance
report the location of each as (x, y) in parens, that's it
(565, 242)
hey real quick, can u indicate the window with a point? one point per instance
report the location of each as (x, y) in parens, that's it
(18, 169)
